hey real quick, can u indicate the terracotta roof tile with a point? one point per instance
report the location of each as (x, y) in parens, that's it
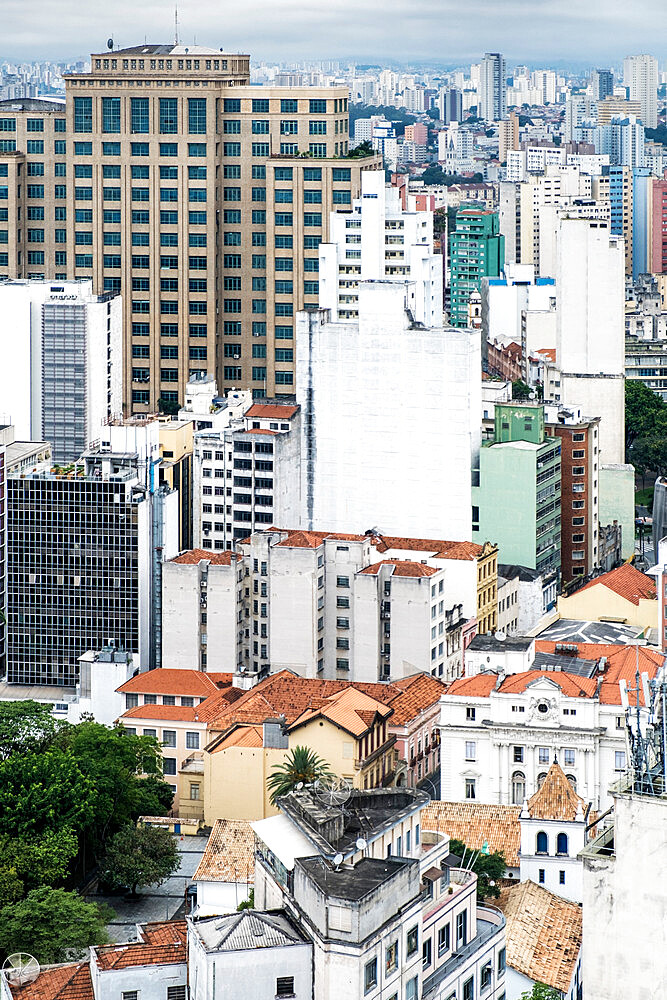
(572, 685)
(170, 713)
(555, 799)
(194, 556)
(241, 735)
(479, 686)
(627, 582)
(283, 410)
(160, 944)
(402, 567)
(543, 934)
(419, 692)
(230, 853)
(439, 549)
(476, 823)
(350, 709)
(173, 681)
(257, 430)
(621, 665)
(61, 982)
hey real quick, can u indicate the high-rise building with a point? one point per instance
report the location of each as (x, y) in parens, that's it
(3, 550)
(517, 503)
(508, 135)
(368, 443)
(62, 362)
(640, 76)
(83, 548)
(377, 239)
(476, 250)
(658, 263)
(167, 175)
(492, 88)
(602, 84)
(450, 106)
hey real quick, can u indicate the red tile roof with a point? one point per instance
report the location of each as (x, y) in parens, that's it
(172, 681)
(350, 709)
(627, 582)
(62, 982)
(555, 798)
(621, 665)
(402, 567)
(439, 549)
(170, 713)
(481, 685)
(281, 410)
(194, 556)
(258, 430)
(284, 693)
(160, 944)
(548, 352)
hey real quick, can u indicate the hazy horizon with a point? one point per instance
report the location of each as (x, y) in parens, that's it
(425, 31)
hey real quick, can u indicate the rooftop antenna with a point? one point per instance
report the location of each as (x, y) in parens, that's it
(176, 23)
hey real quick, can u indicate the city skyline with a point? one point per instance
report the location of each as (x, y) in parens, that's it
(427, 31)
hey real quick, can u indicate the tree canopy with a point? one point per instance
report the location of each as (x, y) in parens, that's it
(141, 856)
(53, 925)
(645, 428)
(302, 765)
(541, 991)
(489, 868)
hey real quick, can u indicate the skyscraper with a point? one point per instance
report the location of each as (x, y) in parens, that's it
(602, 84)
(640, 76)
(169, 178)
(492, 88)
(477, 250)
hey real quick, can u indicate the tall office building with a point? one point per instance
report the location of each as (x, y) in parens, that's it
(62, 362)
(492, 88)
(640, 76)
(477, 250)
(450, 105)
(165, 175)
(83, 549)
(3, 551)
(602, 84)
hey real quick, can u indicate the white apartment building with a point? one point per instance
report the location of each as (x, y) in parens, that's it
(377, 239)
(62, 367)
(492, 88)
(387, 914)
(640, 76)
(328, 605)
(506, 301)
(502, 730)
(455, 148)
(246, 466)
(381, 397)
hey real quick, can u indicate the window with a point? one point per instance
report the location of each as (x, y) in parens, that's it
(502, 961)
(542, 843)
(285, 986)
(443, 940)
(176, 992)
(370, 975)
(412, 942)
(568, 758)
(470, 750)
(470, 714)
(562, 844)
(318, 107)
(139, 115)
(131, 700)
(342, 581)
(461, 928)
(470, 788)
(194, 790)
(518, 788)
(111, 114)
(130, 994)
(83, 114)
(427, 956)
(541, 876)
(197, 115)
(573, 781)
(168, 115)
(391, 958)
(486, 976)
(169, 765)
(411, 988)
(517, 755)
(619, 760)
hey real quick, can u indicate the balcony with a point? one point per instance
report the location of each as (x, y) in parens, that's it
(362, 762)
(490, 921)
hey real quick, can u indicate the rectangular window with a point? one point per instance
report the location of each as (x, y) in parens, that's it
(196, 149)
(470, 788)
(139, 115)
(469, 989)
(260, 126)
(517, 755)
(260, 149)
(412, 941)
(619, 760)
(443, 940)
(139, 149)
(197, 115)
(111, 114)
(83, 114)
(285, 986)
(568, 758)
(168, 116)
(471, 748)
(370, 975)
(110, 149)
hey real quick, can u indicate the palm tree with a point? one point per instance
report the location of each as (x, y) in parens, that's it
(302, 765)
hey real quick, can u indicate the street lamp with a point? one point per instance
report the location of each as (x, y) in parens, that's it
(427, 781)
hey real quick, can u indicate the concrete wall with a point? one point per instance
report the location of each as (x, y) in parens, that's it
(235, 783)
(599, 602)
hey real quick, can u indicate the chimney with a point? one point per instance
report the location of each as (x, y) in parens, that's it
(274, 733)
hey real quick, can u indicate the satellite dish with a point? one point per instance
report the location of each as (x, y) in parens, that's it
(110, 44)
(338, 860)
(361, 844)
(333, 791)
(20, 969)
(500, 635)
(299, 786)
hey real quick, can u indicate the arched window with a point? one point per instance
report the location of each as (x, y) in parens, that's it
(542, 846)
(573, 781)
(518, 788)
(561, 843)
(540, 779)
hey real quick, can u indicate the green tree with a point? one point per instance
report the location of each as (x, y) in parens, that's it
(302, 765)
(41, 859)
(541, 991)
(43, 791)
(170, 407)
(520, 390)
(644, 411)
(363, 149)
(153, 797)
(141, 856)
(53, 925)
(26, 727)
(489, 868)
(249, 903)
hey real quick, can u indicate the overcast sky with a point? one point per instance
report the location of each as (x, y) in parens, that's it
(451, 31)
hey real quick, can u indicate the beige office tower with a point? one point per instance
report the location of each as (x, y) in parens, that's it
(166, 177)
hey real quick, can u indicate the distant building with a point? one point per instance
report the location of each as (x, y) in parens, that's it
(640, 76)
(493, 88)
(62, 365)
(476, 250)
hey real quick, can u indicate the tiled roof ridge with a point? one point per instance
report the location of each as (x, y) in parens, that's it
(555, 798)
(626, 581)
